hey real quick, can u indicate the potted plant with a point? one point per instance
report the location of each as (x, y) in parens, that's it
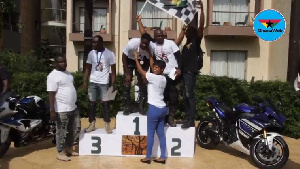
(227, 24)
(167, 28)
(103, 31)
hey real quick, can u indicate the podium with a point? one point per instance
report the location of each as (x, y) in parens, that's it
(130, 139)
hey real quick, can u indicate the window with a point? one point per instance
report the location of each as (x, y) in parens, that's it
(11, 21)
(153, 17)
(234, 12)
(80, 61)
(99, 19)
(228, 63)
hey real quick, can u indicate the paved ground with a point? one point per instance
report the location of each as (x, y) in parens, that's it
(42, 156)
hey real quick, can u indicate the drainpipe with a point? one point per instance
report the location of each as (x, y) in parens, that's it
(88, 33)
(293, 55)
(119, 40)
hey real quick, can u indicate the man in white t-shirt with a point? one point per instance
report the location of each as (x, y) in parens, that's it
(62, 99)
(98, 64)
(169, 52)
(135, 44)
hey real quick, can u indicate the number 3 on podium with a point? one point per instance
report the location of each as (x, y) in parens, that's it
(97, 145)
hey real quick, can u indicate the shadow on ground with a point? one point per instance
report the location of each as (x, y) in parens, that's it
(23, 151)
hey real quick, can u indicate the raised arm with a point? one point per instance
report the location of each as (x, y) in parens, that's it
(180, 36)
(138, 65)
(151, 59)
(141, 26)
(201, 21)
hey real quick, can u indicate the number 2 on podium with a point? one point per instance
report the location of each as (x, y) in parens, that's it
(137, 126)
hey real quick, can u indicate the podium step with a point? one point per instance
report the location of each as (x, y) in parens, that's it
(98, 142)
(130, 139)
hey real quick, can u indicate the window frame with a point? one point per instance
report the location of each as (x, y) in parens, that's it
(133, 9)
(79, 15)
(227, 61)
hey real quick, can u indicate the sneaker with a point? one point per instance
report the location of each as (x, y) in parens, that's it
(63, 157)
(70, 152)
(91, 127)
(171, 121)
(107, 128)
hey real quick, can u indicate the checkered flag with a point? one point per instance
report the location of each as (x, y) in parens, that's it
(181, 9)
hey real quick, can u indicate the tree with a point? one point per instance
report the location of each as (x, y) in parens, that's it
(6, 6)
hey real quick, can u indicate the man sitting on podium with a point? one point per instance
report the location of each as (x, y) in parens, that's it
(157, 107)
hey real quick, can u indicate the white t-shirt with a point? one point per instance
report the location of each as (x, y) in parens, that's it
(167, 49)
(134, 45)
(156, 88)
(63, 84)
(106, 59)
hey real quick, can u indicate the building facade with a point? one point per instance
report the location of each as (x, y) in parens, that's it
(21, 28)
(230, 44)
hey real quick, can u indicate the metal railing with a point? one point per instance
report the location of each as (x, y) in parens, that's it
(96, 27)
(10, 27)
(59, 49)
(229, 18)
(53, 14)
(154, 23)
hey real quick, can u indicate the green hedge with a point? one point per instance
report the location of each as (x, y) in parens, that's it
(232, 91)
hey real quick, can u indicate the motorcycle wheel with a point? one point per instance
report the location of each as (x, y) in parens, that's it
(269, 160)
(205, 140)
(5, 146)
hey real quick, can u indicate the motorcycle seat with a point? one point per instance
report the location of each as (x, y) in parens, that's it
(225, 109)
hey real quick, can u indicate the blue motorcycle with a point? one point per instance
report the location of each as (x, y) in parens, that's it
(23, 121)
(252, 130)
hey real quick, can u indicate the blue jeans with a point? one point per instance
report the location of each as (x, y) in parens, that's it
(155, 122)
(67, 128)
(98, 91)
(189, 83)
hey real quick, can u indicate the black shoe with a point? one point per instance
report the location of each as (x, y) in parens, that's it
(171, 121)
(160, 161)
(145, 160)
(192, 124)
(188, 125)
(182, 121)
(127, 111)
(185, 126)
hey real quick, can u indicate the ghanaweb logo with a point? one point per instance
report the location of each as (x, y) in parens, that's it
(269, 25)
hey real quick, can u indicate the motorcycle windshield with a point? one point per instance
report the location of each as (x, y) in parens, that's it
(268, 103)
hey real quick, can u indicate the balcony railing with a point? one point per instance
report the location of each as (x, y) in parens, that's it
(53, 14)
(96, 27)
(228, 18)
(155, 23)
(10, 27)
(59, 49)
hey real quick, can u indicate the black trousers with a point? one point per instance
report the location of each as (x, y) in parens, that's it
(171, 95)
(142, 83)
